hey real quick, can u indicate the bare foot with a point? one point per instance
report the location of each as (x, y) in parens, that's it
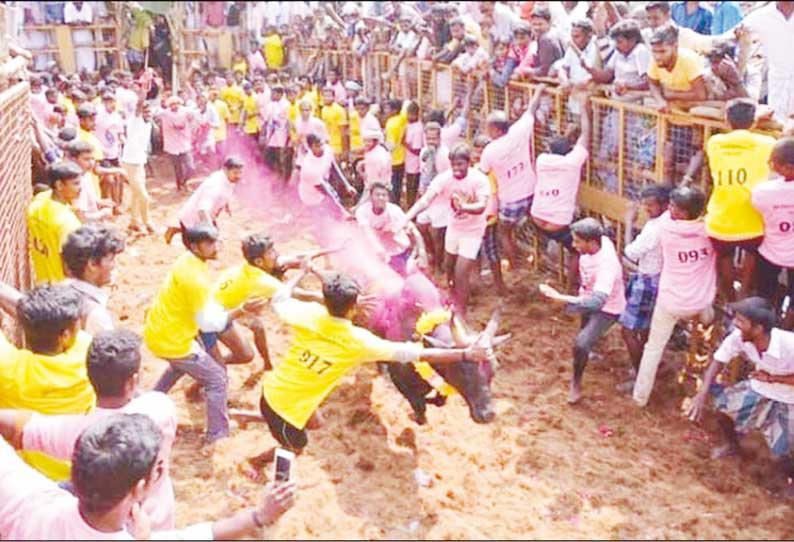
(726, 450)
(575, 393)
(193, 393)
(259, 461)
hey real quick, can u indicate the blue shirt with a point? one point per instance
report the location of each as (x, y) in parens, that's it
(726, 16)
(699, 20)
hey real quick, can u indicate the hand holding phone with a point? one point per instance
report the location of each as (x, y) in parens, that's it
(282, 465)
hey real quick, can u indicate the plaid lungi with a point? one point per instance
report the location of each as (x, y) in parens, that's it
(512, 211)
(750, 410)
(640, 299)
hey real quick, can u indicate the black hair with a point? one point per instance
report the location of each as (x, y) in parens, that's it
(199, 232)
(628, 29)
(758, 310)
(255, 245)
(340, 293)
(113, 358)
(361, 100)
(667, 33)
(783, 151)
(89, 243)
(45, 312)
(588, 229)
(67, 134)
(658, 192)
(77, 147)
(583, 24)
(480, 140)
(395, 105)
(461, 151)
(664, 7)
(740, 113)
(312, 139)
(110, 457)
(499, 120)
(86, 110)
(412, 107)
(63, 171)
(233, 162)
(690, 200)
(432, 125)
(378, 185)
(541, 12)
(560, 145)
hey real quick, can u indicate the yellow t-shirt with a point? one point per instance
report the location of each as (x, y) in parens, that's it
(251, 115)
(170, 327)
(67, 104)
(239, 284)
(394, 132)
(354, 121)
(323, 350)
(49, 224)
(314, 98)
(223, 117)
(233, 96)
(739, 161)
(241, 67)
(93, 140)
(49, 385)
(273, 49)
(688, 67)
(335, 119)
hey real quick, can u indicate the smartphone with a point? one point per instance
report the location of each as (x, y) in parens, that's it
(282, 465)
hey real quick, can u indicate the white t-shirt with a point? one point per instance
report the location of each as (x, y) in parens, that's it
(777, 360)
(139, 135)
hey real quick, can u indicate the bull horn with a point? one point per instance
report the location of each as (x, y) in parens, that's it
(460, 332)
(501, 339)
(437, 343)
(493, 324)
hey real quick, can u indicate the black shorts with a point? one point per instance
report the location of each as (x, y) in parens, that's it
(289, 436)
(563, 236)
(769, 279)
(728, 248)
(108, 162)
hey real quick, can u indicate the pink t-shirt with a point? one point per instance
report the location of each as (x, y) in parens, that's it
(176, 130)
(414, 137)
(277, 123)
(688, 282)
(509, 159)
(601, 272)
(56, 436)
(452, 133)
(775, 201)
(305, 127)
(387, 226)
(313, 172)
(38, 105)
(256, 61)
(214, 193)
(377, 166)
(473, 186)
(262, 100)
(340, 93)
(558, 184)
(109, 129)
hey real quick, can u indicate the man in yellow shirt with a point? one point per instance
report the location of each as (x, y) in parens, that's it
(335, 119)
(183, 308)
(675, 74)
(394, 129)
(249, 116)
(49, 376)
(739, 161)
(325, 347)
(51, 219)
(224, 116)
(273, 49)
(233, 95)
(258, 278)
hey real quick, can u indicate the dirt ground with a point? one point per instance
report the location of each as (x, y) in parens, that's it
(541, 469)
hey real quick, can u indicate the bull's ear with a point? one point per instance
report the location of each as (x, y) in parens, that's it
(501, 339)
(460, 332)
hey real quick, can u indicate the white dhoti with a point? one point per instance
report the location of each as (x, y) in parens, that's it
(85, 58)
(781, 94)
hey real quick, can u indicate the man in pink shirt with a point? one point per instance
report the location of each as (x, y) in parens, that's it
(508, 157)
(109, 130)
(559, 173)
(116, 464)
(113, 364)
(307, 124)
(601, 297)
(687, 284)
(414, 140)
(432, 222)
(465, 191)
(383, 221)
(375, 167)
(775, 201)
(176, 123)
(89, 205)
(210, 198)
(275, 119)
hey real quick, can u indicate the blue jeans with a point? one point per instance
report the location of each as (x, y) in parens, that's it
(212, 377)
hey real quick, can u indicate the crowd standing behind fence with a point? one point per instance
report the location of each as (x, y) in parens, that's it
(579, 110)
